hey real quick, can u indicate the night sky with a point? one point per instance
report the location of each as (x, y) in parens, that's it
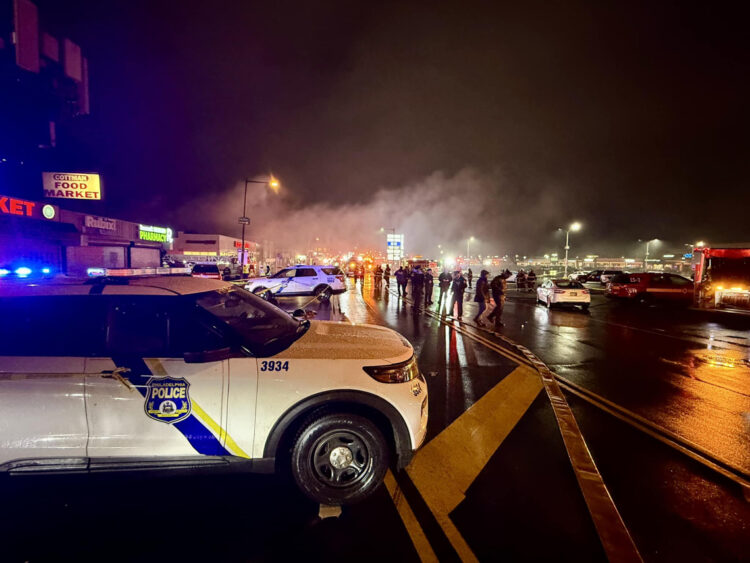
(631, 118)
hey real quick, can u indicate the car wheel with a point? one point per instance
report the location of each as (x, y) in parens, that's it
(324, 293)
(339, 458)
(262, 293)
(585, 306)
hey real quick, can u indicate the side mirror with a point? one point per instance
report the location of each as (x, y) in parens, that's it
(207, 356)
(299, 313)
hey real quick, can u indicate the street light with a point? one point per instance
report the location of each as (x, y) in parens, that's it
(574, 227)
(271, 182)
(648, 243)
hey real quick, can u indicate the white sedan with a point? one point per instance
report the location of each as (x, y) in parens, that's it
(563, 292)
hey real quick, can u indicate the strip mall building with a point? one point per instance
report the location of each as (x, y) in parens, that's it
(41, 235)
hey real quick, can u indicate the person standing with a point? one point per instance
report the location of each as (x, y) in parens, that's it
(417, 285)
(387, 274)
(482, 296)
(378, 276)
(444, 281)
(531, 281)
(429, 282)
(498, 287)
(469, 277)
(401, 281)
(520, 280)
(457, 298)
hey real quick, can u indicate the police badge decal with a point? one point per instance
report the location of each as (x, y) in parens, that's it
(167, 399)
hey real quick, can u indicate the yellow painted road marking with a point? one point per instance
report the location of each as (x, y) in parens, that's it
(418, 538)
(446, 466)
(614, 535)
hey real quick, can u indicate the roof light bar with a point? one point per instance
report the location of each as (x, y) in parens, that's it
(122, 272)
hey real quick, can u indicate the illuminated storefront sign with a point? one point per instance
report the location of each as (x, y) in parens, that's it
(238, 244)
(155, 234)
(100, 223)
(71, 186)
(395, 247)
(23, 208)
(13, 206)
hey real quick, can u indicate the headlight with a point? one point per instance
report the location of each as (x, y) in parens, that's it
(394, 373)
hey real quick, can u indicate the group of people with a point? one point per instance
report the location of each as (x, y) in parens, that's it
(454, 285)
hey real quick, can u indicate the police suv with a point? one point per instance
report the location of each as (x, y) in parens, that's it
(323, 281)
(125, 371)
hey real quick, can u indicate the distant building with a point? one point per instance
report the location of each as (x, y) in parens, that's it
(44, 100)
(202, 248)
(40, 235)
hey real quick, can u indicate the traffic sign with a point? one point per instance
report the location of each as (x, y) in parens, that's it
(244, 220)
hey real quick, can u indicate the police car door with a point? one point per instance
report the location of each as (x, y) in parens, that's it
(283, 282)
(146, 400)
(43, 342)
(306, 279)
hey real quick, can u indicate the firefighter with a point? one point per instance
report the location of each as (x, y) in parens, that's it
(520, 280)
(531, 281)
(378, 276)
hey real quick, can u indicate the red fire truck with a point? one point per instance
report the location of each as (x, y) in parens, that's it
(722, 275)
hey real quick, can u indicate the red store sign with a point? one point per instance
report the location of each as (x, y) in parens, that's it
(23, 208)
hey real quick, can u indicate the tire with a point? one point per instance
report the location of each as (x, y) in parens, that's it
(339, 458)
(262, 293)
(323, 293)
(585, 307)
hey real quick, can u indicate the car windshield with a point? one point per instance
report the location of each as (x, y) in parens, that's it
(567, 284)
(263, 328)
(205, 269)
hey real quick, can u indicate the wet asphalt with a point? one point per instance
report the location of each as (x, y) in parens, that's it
(682, 371)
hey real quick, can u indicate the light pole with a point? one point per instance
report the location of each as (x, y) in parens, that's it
(468, 251)
(273, 183)
(574, 227)
(648, 243)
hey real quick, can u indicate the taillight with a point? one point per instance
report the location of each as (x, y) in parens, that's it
(585, 291)
(340, 278)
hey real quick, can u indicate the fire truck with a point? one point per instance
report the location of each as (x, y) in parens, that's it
(722, 275)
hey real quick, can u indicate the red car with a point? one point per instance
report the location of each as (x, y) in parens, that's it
(645, 287)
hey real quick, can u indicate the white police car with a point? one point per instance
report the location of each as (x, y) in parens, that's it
(322, 281)
(155, 371)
